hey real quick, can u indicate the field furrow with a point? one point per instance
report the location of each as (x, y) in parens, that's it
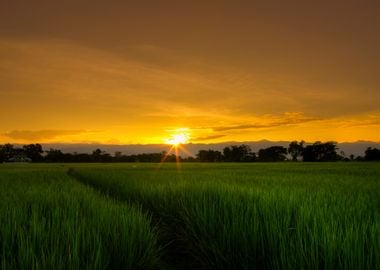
(261, 216)
(50, 221)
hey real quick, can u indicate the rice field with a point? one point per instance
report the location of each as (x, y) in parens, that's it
(50, 221)
(195, 216)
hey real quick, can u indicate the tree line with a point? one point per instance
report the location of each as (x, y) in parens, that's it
(296, 151)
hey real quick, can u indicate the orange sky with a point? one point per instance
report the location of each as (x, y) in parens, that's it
(140, 71)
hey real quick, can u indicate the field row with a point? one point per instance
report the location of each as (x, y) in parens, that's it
(50, 221)
(262, 216)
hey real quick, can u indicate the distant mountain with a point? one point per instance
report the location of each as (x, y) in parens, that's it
(355, 148)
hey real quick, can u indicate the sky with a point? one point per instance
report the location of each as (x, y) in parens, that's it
(126, 72)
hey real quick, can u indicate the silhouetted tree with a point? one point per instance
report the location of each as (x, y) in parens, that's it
(83, 157)
(55, 155)
(7, 152)
(190, 159)
(372, 154)
(2, 158)
(209, 156)
(96, 155)
(295, 149)
(359, 158)
(151, 157)
(100, 156)
(321, 152)
(2, 154)
(316, 152)
(118, 155)
(235, 153)
(34, 152)
(273, 153)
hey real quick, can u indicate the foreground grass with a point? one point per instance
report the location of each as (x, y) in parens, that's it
(49, 221)
(257, 216)
(204, 216)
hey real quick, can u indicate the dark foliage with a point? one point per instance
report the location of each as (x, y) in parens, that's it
(238, 153)
(321, 152)
(372, 154)
(295, 149)
(209, 156)
(272, 154)
(34, 152)
(235, 153)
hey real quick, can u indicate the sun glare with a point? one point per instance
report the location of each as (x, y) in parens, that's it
(177, 139)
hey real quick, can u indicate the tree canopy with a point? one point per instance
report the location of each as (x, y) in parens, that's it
(316, 152)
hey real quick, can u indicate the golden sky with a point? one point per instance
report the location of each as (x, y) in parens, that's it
(123, 72)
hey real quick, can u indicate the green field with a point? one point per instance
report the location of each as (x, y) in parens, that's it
(198, 216)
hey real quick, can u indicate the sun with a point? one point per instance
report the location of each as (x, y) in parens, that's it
(177, 139)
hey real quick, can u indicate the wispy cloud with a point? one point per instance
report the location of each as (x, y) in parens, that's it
(40, 135)
(269, 121)
(207, 138)
(369, 120)
(225, 128)
(133, 96)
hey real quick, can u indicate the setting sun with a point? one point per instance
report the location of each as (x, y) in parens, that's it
(177, 139)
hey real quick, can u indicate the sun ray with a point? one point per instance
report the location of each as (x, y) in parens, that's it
(164, 158)
(183, 149)
(176, 143)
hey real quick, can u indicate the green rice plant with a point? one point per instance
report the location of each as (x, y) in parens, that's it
(49, 221)
(257, 216)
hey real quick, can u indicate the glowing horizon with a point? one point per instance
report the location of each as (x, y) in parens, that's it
(232, 71)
